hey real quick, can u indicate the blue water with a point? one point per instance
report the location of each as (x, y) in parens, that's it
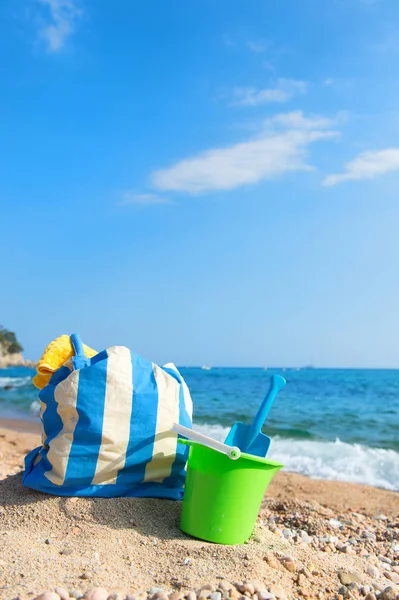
(335, 424)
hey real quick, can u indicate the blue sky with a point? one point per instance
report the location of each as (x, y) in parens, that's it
(205, 182)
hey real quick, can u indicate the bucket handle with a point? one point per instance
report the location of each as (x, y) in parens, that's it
(231, 451)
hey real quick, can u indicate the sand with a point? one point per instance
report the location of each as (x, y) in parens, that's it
(309, 534)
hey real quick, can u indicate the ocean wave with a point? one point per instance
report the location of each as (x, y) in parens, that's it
(340, 461)
(14, 382)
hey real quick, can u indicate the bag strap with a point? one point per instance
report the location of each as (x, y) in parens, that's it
(79, 361)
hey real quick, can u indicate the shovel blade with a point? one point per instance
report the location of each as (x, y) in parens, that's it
(238, 436)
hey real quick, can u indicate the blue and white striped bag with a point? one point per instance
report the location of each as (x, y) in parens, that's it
(106, 428)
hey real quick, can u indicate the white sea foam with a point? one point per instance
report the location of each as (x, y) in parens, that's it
(34, 408)
(14, 382)
(329, 460)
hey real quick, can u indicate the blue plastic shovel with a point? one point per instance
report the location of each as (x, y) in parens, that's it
(249, 438)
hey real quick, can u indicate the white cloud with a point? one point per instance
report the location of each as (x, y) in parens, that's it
(297, 120)
(367, 166)
(271, 154)
(142, 199)
(64, 16)
(283, 90)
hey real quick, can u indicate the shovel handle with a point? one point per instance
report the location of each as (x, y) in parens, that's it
(277, 382)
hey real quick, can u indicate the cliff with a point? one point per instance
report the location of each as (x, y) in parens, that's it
(11, 351)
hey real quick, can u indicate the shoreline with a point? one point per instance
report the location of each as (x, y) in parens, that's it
(22, 436)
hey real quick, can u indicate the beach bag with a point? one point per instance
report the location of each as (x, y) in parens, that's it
(106, 428)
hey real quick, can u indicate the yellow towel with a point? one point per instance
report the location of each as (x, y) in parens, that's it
(55, 355)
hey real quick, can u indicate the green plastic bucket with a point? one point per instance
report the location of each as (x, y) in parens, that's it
(222, 497)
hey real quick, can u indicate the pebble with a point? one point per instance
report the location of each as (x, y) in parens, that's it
(247, 587)
(287, 533)
(278, 592)
(116, 596)
(384, 559)
(174, 596)
(369, 536)
(97, 593)
(304, 535)
(388, 594)
(48, 596)
(370, 596)
(336, 523)
(366, 589)
(265, 595)
(328, 539)
(348, 577)
(216, 596)
(76, 594)
(394, 577)
(191, 596)
(62, 592)
(373, 572)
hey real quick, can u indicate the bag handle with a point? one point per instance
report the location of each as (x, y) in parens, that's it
(79, 361)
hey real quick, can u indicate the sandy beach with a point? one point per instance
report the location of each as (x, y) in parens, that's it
(313, 539)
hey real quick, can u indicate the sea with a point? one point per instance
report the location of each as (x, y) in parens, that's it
(325, 423)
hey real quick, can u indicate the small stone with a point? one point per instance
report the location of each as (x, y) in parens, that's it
(270, 559)
(353, 586)
(160, 596)
(365, 589)
(247, 587)
(381, 518)
(67, 551)
(388, 594)
(373, 572)
(191, 596)
(48, 596)
(89, 575)
(342, 590)
(97, 593)
(216, 596)
(287, 533)
(370, 596)
(203, 594)
(62, 592)
(278, 592)
(301, 579)
(76, 594)
(290, 566)
(369, 536)
(225, 586)
(234, 594)
(265, 595)
(116, 596)
(335, 523)
(394, 577)
(384, 559)
(47, 541)
(347, 578)
(175, 596)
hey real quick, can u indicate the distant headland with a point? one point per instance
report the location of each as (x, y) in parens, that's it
(11, 350)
